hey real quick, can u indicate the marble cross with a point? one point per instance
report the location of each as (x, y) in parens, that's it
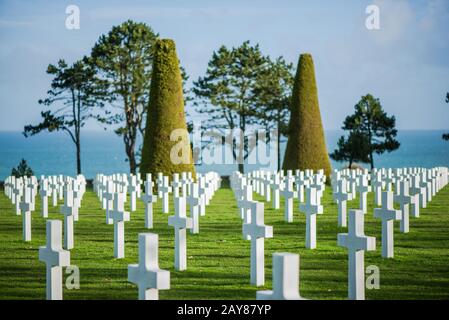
(341, 196)
(387, 214)
(119, 216)
(377, 185)
(180, 223)
(109, 197)
(193, 199)
(311, 208)
(54, 191)
(165, 189)
(159, 183)
(267, 185)
(55, 258)
(363, 189)
(149, 198)
(288, 194)
(133, 189)
(175, 185)
(68, 211)
(147, 275)
(276, 188)
(44, 193)
(25, 208)
(185, 183)
(300, 183)
(357, 242)
(257, 231)
(404, 200)
(285, 278)
(17, 194)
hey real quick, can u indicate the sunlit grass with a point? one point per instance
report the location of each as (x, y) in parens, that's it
(218, 257)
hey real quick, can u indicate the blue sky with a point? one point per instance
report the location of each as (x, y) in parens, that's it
(405, 63)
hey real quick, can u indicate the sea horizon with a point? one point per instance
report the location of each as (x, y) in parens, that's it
(103, 152)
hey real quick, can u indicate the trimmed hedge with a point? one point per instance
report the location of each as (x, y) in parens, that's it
(306, 146)
(165, 113)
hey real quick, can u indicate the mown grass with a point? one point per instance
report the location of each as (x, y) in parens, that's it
(218, 257)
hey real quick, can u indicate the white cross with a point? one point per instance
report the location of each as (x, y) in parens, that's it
(418, 195)
(159, 182)
(356, 242)
(311, 208)
(363, 190)
(285, 278)
(165, 189)
(276, 187)
(108, 195)
(17, 195)
(55, 258)
(404, 200)
(175, 185)
(300, 182)
(132, 189)
(68, 210)
(194, 201)
(203, 195)
(25, 207)
(185, 183)
(44, 193)
(388, 214)
(54, 190)
(341, 196)
(180, 223)
(288, 194)
(267, 185)
(149, 198)
(377, 185)
(119, 216)
(352, 183)
(258, 231)
(147, 275)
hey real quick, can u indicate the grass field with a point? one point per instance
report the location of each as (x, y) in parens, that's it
(218, 257)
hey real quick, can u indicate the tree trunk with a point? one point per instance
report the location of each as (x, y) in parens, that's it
(129, 148)
(78, 158)
(241, 168)
(371, 160)
(279, 147)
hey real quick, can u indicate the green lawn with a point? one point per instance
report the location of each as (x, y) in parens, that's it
(218, 257)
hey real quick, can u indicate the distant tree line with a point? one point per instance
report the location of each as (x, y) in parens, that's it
(241, 89)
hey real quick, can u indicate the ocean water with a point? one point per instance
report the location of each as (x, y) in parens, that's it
(104, 152)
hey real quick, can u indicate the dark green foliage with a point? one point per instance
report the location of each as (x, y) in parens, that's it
(165, 113)
(371, 121)
(22, 170)
(273, 94)
(355, 148)
(233, 89)
(306, 146)
(124, 59)
(75, 92)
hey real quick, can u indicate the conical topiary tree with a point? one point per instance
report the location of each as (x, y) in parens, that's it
(306, 146)
(166, 118)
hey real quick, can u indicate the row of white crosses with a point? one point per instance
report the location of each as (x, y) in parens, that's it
(253, 228)
(112, 190)
(355, 240)
(313, 184)
(23, 192)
